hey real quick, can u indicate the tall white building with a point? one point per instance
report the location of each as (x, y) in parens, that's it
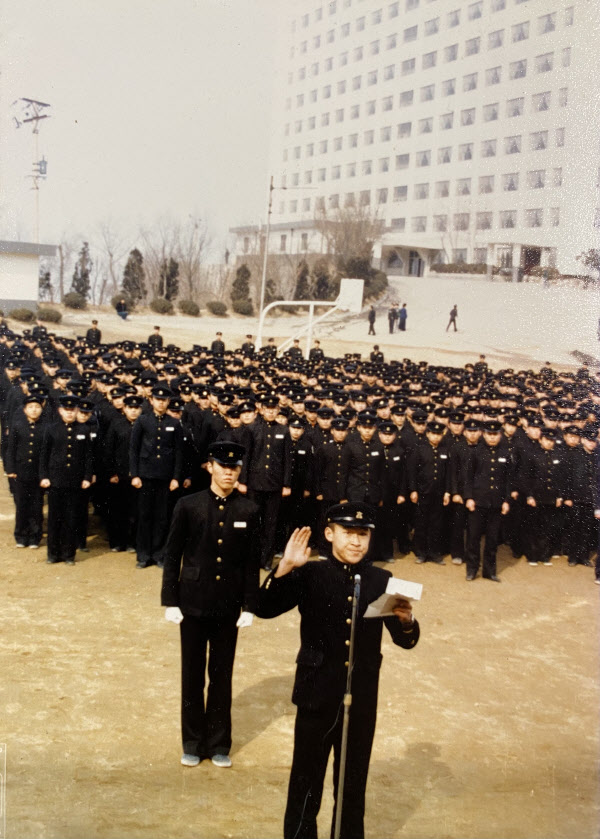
(470, 128)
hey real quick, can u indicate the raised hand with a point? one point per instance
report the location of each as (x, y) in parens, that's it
(296, 553)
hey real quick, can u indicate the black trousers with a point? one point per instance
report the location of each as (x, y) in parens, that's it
(269, 504)
(153, 519)
(580, 531)
(458, 521)
(483, 521)
(29, 503)
(544, 525)
(63, 509)
(122, 519)
(429, 519)
(206, 724)
(451, 322)
(316, 733)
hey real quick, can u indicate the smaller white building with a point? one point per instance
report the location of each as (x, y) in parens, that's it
(19, 273)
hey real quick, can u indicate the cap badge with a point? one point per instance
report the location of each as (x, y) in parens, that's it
(359, 515)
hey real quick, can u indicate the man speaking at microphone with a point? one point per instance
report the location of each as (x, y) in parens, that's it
(323, 592)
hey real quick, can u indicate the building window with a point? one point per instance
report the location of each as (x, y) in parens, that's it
(563, 97)
(538, 140)
(323, 147)
(486, 184)
(351, 170)
(393, 10)
(498, 5)
(421, 191)
(357, 53)
(406, 98)
(470, 82)
(508, 219)
(341, 87)
(465, 151)
(512, 145)
(510, 182)
(360, 25)
(385, 133)
(294, 206)
(427, 93)
(316, 42)
(404, 129)
(300, 100)
(372, 77)
(467, 117)
(447, 121)
(369, 137)
(371, 105)
(557, 177)
(445, 154)
(483, 221)
(399, 223)
(515, 107)
(520, 32)
(429, 60)
(365, 197)
(382, 196)
(376, 17)
(544, 63)
(423, 158)
(321, 175)
(490, 112)
(410, 34)
(518, 69)
(374, 48)
(493, 76)
(495, 39)
(334, 201)
(310, 149)
(411, 4)
(339, 115)
(332, 7)
(384, 164)
(475, 10)
(400, 193)
(554, 216)
(449, 87)
(407, 67)
(356, 82)
(566, 57)
(442, 189)
(488, 148)
(343, 59)
(367, 167)
(440, 224)
(419, 224)
(480, 255)
(352, 141)
(534, 218)
(311, 123)
(541, 101)
(569, 16)
(296, 152)
(330, 37)
(536, 178)
(308, 177)
(298, 126)
(451, 52)
(389, 72)
(472, 46)
(453, 18)
(355, 112)
(463, 186)
(295, 179)
(459, 255)
(425, 126)
(560, 137)
(402, 161)
(349, 200)
(314, 69)
(336, 172)
(327, 91)
(305, 205)
(546, 23)
(325, 119)
(387, 103)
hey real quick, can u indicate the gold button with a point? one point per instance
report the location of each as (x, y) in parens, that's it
(221, 507)
(217, 577)
(347, 663)
(219, 559)
(350, 600)
(220, 524)
(219, 541)
(347, 643)
(158, 456)
(267, 466)
(348, 620)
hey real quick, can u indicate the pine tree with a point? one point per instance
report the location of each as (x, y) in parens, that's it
(302, 290)
(134, 279)
(240, 291)
(45, 285)
(169, 280)
(82, 272)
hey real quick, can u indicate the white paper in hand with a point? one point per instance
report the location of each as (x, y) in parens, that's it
(384, 605)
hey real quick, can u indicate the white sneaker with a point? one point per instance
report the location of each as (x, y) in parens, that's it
(190, 760)
(547, 563)
(597, 581)
(223, 761)
(456, 560)
(531, 563)
(20, 545)
(33, 547)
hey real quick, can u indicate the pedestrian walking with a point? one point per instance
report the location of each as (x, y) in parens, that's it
(453, 316)
(402, 316)
(371, 318)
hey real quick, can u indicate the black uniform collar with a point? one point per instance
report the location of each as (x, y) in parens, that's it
(219, 499)
(350, 569)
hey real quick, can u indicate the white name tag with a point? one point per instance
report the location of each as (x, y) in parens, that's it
(556, 461)
(80, 437)
(443, 456)
(239, 524)
(170, 428)
(279, 436)
(501, 460)
(396, 458)
(93, 435)
(374, 454)
(301, 451)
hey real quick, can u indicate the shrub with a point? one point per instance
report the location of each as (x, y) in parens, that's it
(129, 301)
(162, 306)
(49, 315)
(74, 300)
(188, 307)
(242, 307)
(22, 314)
(215, 307)
(376, 284)
(462, 268)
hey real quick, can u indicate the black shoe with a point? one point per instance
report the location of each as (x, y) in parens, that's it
(587, 563)
(141, 564)
(493, 578)
(470, 577)
(52, 560)
(437, 560)
(572, 564)
(70, 561)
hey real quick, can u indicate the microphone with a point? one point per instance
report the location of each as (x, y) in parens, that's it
(357, 586)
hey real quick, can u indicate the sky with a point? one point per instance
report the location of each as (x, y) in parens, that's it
(160, 108)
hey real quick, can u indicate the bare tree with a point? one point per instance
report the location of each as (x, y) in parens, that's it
(192, 241)
(112, 247)
(160, 244)
(66, 249)
(349, 233)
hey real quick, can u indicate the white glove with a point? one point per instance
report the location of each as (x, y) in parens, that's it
(173, 614)
(245, 619)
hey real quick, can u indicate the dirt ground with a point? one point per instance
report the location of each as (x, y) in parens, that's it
(488, 728)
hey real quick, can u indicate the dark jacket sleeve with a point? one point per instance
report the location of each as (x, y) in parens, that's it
(172, 556)
(134, 448)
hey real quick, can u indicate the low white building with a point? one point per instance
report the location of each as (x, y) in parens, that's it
(19, 273)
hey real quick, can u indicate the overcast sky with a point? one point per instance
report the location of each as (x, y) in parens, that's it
(159, 107)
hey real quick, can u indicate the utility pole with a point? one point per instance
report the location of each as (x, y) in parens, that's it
(32, 112)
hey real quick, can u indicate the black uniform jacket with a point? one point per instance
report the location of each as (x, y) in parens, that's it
(582, 469)
(428, 472)
(329, 478)
(546, 476)
(218, 540)
(363, 470)
(271, 465)
(488, 475)
(66, 457)
(24, 448)
(156, 448)
(323, 592)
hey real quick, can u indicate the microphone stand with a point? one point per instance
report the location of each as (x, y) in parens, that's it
(347, 704)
